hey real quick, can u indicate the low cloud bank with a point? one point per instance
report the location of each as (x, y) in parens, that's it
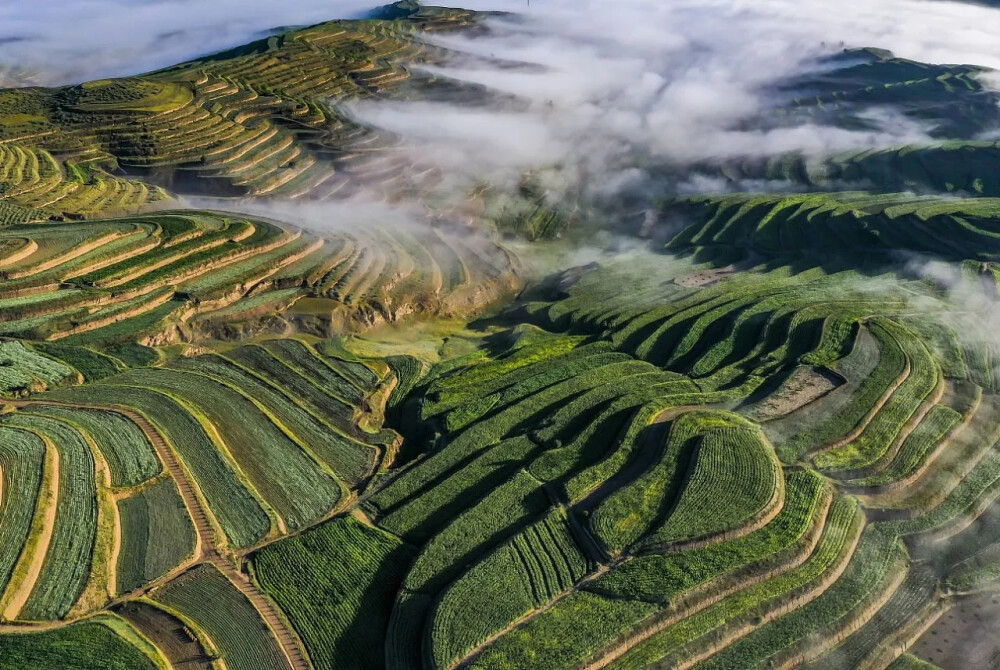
(631, 84)
(76, 40)
(625, 87)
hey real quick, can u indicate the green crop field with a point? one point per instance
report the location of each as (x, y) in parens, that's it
(281, 388)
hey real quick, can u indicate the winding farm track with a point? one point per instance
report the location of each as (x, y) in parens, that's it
(207, 548)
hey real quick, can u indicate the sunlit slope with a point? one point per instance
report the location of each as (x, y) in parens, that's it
(260, 120)
(172, 276)
(631, 486)
(151, 484)
(760, 434)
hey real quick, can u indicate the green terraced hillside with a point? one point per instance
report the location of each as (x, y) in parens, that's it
(264, 119)
(761, 430)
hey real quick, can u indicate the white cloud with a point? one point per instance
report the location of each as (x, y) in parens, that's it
(76, 40)
(624, 81)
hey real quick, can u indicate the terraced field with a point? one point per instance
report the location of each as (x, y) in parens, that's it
(262, 120)
(847, 90)
(760, 432)
(159, 278)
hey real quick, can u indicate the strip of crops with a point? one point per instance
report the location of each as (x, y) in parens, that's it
(943, 342)
(408, 371)
(880, 433)
(662, 577)
(474, 406)
(349, 459)
(878, 554)
(452, 390)
(910, 662)
(976, 572)
(963, 548)
(348, 365)
(264, 234)
(23, 369)
(488, 432)
(269, 301)
(92, 365)
(217, 283)
(404, 639)
(642, 505)
(419, 516)
(699, 330)
(532, 346)
(116, 312)
(326, 404)
(129, 454)
(205, 596)
(133, 354)
(840, 331)
(499, 514)
(685, 326)
(278, 468)
(938, 423)
(11, 214)
(567, 422)
(36, 304)
(630, 454)
(157, 535)
(163, 255)
(81, 646)
(33, 327)
(917, 594)
(127, 329)
(970, 497)
(789, 328)
(593, 441)
(566, 635)
(842, 527)
(734, 477)
(979, 355)
(239, 514)
(22, 459)
(336, 585)
(830, 221)
(306, 362)
(632, 510)
(526, 572)
(67, 564)
(682, 323)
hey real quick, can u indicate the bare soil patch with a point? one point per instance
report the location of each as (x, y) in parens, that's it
(965, 636)
(805, 385)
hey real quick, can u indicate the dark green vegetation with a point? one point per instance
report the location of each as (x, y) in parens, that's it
(83, 646)
(768, 440)
(206, 597)
(854, 91)
(262, 119)
(342, 612)
(156, 535)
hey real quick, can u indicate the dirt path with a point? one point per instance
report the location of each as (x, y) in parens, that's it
(207, 548)
(290, 645)
(203, 528)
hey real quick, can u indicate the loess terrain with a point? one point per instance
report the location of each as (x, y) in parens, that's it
(765, 436)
